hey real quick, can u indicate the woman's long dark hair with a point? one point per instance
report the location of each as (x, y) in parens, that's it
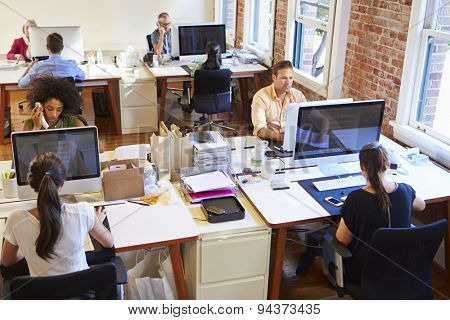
(46, 175)
(214, 60)
(374, 158)
(46, 87)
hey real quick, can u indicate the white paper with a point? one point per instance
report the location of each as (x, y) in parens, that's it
(168, 72)
(135, 151)
(208, 181)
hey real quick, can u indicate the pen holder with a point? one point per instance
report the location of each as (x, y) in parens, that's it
(9, 188)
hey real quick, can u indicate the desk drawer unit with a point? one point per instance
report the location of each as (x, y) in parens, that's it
(232, 257)
(245, 289)
(233, 266)
(140, 119)
(139, 107)
(139, 94)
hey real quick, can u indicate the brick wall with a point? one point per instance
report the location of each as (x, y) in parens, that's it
(240, 11)
(375, 50)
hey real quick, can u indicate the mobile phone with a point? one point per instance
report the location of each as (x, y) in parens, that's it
(279, 186)
(215, 210)
(43, 121)
(270, 154)
(334, 202)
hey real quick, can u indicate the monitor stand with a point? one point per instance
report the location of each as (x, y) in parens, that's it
(332, 169)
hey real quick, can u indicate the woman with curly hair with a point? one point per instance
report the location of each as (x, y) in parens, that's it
(60, 102)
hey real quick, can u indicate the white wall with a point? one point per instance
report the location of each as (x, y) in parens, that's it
(107, 24)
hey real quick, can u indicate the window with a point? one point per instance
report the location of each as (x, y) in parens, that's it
(310, 40)
(226, 14)
(424, 94)
(259, 27)
(432, 111)
(311, 47)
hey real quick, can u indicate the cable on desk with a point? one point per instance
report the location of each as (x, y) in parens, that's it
(301, 243)
(200, 219)
(304, 244)
(298, 230)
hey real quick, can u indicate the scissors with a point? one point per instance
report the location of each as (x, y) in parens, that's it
(149, 200)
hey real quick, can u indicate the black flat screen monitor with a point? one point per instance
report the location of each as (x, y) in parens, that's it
(76, 147)
(193, 39)
(333, 131)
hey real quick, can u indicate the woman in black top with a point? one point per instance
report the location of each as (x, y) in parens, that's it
(214, 60)
(380, 204)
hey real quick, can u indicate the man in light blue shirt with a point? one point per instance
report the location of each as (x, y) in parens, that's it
(55, 65)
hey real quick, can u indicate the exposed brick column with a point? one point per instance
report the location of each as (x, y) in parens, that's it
(240, 11)
(375, 52)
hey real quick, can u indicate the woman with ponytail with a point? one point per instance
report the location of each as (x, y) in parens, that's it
(51, 236)
(380, 204)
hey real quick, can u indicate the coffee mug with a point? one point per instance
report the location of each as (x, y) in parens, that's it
(148, 58)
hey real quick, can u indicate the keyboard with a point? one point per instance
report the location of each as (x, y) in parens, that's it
(340, 183)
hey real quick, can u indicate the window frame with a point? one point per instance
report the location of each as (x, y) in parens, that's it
(337, 31)
(218, 13)
(421, 72)
(406, 128)
(266, 55)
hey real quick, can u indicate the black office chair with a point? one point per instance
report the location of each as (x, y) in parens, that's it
(398, 267)
(212, 95)
(100, 282)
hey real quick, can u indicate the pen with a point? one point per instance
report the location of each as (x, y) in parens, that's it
(140, 203)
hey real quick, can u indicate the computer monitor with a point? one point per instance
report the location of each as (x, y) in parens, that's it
(72, 37)
(329, 134)
(76, 147)
(291, 118)
(191, 39)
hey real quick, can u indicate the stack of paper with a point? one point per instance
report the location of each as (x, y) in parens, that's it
(212, 153)
(207, 185)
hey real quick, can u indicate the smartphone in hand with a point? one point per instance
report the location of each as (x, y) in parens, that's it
(43, 121)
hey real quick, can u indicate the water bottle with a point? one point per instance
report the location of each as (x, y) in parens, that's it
(99, 57)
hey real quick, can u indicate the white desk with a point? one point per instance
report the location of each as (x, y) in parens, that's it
(106, 75)
(173, 71)
(168, 223)
(286, 208)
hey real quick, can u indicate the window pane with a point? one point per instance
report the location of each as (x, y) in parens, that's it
(229, 14)
(260, 27)
(317, 9)
(434, 108)
(443, 16)
(310, 50)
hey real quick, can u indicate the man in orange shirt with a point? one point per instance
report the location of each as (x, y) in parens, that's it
(270, 103)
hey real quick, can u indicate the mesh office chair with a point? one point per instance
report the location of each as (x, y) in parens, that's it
(103, 280)
(398, 267)
(212, 95)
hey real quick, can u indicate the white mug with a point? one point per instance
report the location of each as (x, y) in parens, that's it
(258, 153)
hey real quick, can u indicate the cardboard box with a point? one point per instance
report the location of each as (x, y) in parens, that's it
(123, 184)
